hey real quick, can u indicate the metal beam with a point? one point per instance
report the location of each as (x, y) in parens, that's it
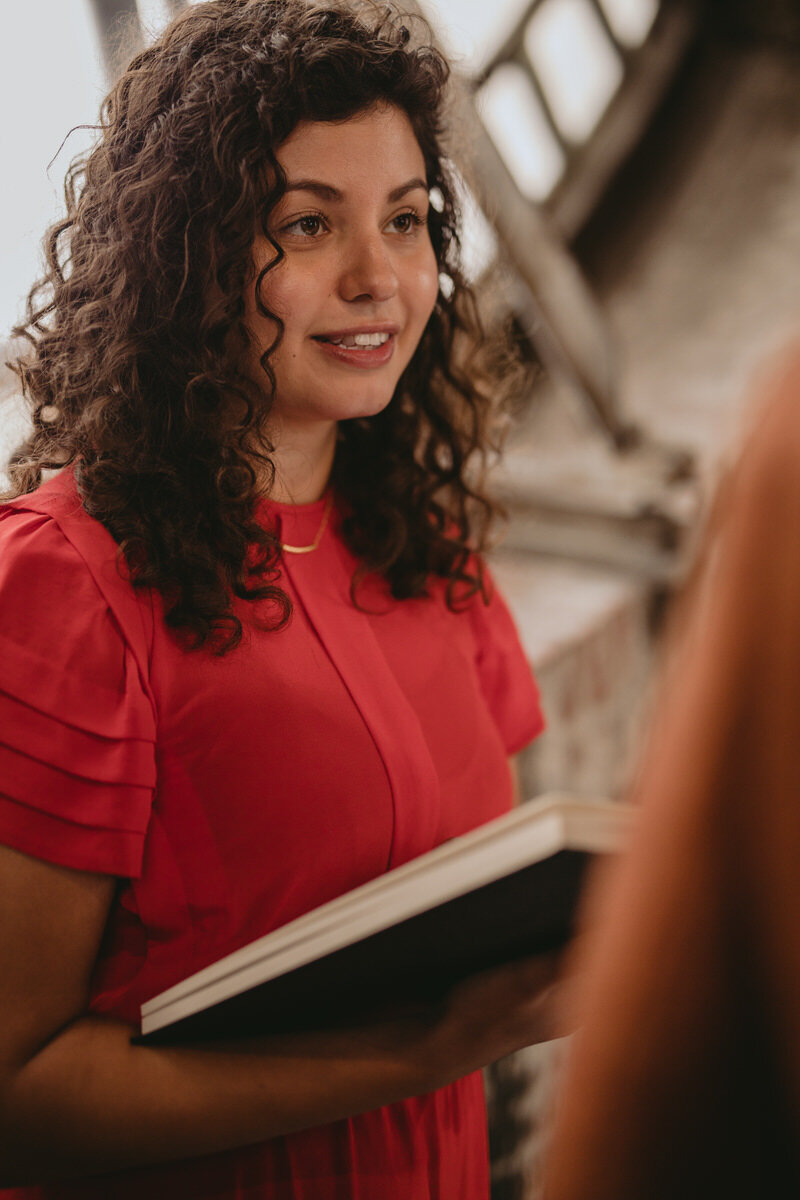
(120, 31)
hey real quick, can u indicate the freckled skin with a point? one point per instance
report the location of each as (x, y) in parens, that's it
(351, 261)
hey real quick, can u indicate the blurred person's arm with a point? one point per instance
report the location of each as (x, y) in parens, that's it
(685, 1078)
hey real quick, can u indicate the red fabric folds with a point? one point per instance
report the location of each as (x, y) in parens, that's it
(498, 662)
(77, 733)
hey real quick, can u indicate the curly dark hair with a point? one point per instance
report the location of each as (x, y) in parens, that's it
(133, 376)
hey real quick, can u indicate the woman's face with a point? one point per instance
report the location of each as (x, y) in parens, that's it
(360, 278)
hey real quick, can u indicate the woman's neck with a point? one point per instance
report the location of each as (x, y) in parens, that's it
(303, 459)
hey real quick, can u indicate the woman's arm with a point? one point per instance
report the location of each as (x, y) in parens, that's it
(516, 781)
(76, 1098)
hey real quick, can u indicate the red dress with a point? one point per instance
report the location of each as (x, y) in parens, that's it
(233, 794)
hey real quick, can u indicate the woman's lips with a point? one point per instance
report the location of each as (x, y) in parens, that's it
(355, 356)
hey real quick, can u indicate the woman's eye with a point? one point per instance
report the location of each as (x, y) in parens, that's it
(407, 222)
(309, 226)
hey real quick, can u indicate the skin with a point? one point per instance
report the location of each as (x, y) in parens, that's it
(76, 1098)
(358, 255)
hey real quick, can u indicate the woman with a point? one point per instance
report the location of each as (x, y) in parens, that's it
(250, 656)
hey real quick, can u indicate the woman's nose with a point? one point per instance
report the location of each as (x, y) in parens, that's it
(368, 272)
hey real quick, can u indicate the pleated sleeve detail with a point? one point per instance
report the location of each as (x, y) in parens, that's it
(77, 729)
(505, 674)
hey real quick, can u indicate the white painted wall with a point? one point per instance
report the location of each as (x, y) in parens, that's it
(51, 79)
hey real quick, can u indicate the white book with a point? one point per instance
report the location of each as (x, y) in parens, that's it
(503, 891)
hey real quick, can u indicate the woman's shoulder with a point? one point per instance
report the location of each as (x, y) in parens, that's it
(38, 551)
(60, 572)
(502, 665)
(58, 507)
(78, 722)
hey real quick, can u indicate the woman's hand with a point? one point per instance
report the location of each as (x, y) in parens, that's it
(497, 1012)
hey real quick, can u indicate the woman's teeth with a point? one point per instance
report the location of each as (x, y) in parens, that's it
(352, 340)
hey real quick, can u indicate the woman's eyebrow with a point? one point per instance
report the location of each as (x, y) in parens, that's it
(326, 191)
(404, 188)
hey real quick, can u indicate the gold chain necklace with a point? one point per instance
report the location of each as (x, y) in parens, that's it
(322, 526)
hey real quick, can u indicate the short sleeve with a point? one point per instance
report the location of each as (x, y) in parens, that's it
(505, 675)
(77, 729)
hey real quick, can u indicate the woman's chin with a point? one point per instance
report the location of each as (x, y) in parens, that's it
(366, 409)
(348, 407)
